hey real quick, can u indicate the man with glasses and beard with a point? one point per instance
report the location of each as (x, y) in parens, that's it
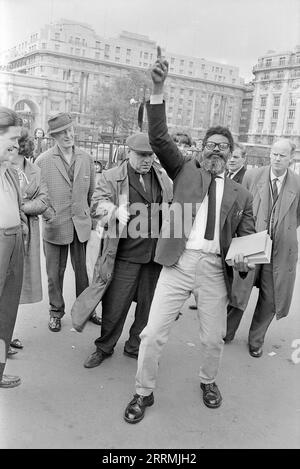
(194, 262)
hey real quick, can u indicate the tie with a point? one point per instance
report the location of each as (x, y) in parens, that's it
(142, 182)
(211, 210)
(272, 214)
(230, 174)
(274, 190)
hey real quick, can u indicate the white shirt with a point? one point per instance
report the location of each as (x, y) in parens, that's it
(279, 182)
(196, 238)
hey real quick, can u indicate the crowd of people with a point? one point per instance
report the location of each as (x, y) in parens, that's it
(164, 220)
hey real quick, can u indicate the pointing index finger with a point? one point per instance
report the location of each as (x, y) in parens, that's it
(158, 52)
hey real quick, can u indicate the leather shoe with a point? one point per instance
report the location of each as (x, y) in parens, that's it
(9, 381)
(11, 351)
(131, 354)
(227, 340)
(135, 410)
(16, 343)
(54, 324)
(211, 395)
(255, 352)
(95, 319)
(95, 359)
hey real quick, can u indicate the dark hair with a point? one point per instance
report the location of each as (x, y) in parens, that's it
(26, 145)
(35, 131)
(219, 130)
(181, 137)
(8, 118)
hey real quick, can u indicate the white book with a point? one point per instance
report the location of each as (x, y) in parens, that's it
(256, 247)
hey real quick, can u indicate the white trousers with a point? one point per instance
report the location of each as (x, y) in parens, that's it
(198, 273)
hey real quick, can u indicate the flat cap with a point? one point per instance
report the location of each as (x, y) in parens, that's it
(59, 122)
(139, 142)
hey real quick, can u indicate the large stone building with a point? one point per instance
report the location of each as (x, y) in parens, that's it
(200, 93)
(276, 98)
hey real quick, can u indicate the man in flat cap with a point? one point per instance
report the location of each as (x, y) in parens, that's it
(70, 177)
(127, 204)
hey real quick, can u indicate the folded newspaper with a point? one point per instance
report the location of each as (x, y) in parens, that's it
(256, 247)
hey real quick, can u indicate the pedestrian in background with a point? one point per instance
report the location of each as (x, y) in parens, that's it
(236, 164)
(40, 143)
(69, 175)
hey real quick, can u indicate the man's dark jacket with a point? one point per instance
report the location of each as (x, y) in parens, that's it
(190, 187)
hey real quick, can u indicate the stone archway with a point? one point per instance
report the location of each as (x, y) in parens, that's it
(29, 111)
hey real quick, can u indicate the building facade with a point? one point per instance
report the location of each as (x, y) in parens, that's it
(200, 93)
(276, 98)
(32, 97)
(246, 112)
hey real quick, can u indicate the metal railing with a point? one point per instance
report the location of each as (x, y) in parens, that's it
(107, 154)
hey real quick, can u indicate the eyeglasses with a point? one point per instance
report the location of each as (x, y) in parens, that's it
(212, 145)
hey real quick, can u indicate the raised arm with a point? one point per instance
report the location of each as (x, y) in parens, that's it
(161, 142)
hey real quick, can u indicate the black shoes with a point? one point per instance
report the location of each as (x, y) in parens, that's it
(227, 340)
(95, 319)
(255, 352)
(16, 343)
(131, 354)
(95, 359)
(211, 395)
(135, 410)
(54, 324)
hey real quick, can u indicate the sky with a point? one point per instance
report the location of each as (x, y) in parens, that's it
(234, 32)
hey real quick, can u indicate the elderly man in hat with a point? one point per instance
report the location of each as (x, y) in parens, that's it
(70, 178)
(127, 202)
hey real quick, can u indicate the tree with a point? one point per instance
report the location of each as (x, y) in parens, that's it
(112, 105)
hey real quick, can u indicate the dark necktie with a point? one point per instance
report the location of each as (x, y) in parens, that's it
(272, 212)
(211, 210)
(230, 174)
(274, 190)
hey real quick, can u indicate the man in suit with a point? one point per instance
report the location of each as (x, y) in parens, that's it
(70, 179)
(127, 202)
(236, 163)
(276, 207)
(11, 242)
(192, 250)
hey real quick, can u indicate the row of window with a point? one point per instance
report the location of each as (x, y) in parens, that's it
(288, 129)
(291, 114)
(276, 100)
(275, 76)
(269, 62)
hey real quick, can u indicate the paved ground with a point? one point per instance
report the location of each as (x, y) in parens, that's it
(60, 404)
